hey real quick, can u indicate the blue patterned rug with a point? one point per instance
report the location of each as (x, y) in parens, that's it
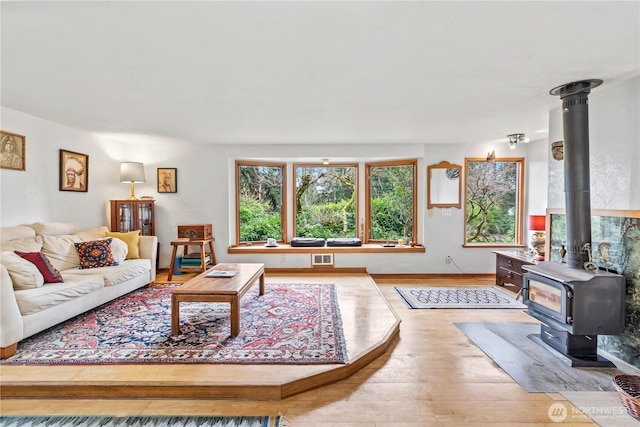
(458, 297)
(295, 324)
(150, 421)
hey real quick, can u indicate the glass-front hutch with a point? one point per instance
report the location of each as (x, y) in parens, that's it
(130, 215)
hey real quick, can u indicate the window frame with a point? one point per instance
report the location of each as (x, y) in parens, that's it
(283, 195)
(519, 203)
(294, 180)
(368, 220)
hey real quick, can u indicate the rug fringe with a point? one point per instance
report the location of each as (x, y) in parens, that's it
(150, 421)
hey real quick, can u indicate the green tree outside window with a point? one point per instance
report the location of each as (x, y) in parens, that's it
(493, 204)
(260, 201)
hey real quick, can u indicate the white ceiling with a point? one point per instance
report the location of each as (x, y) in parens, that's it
(309, 72)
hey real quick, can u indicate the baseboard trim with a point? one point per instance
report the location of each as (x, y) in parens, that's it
(431, 276)
(316, 270)
(374, 276)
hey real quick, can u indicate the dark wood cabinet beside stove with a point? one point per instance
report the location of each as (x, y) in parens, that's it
(509, 267)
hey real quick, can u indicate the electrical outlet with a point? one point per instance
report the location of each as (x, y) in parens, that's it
(448, 260)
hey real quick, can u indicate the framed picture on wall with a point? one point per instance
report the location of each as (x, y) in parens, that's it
(167, 180)
(74, 171)
(12, 152)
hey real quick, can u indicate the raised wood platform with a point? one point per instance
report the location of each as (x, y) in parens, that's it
(370, 326)
(433, 375)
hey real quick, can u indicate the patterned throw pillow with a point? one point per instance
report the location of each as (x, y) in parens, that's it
(96, 253)
(48, 271)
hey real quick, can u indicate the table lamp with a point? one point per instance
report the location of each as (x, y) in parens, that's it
(132, 172)
(537, 224)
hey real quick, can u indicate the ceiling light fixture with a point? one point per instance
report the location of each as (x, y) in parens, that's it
(514, 138)
(325, 161)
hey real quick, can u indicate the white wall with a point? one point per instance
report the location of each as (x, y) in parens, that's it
(33, 195)
(614, 148)
(205, 190)
(555, 176)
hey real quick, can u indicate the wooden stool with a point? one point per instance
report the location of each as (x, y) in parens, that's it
(185, 243)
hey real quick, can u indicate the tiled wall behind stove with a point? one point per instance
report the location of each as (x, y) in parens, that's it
(621, 238)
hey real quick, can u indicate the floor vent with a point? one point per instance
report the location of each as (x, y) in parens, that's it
(321, 259)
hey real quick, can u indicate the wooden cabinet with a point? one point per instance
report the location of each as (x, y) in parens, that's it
(509, 267)
(129, 215)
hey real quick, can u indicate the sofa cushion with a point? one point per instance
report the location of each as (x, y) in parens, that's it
(24, 274)
(93, 234)
(48, 271)
(61, 251)
(53, 228)
(34, 300)
(114, 275)
(119, 250)
(16, 232)
(132, 239)
(23, 244)
(96, 253)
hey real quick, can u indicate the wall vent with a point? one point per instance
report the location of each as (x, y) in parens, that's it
(321, 259)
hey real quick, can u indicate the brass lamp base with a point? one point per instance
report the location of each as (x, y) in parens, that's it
(133, 195)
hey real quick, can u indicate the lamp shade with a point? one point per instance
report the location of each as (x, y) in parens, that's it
(537, 222)
(131, 172)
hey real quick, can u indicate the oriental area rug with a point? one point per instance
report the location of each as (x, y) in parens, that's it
(458, 297)
(148, 421)
(289, 324)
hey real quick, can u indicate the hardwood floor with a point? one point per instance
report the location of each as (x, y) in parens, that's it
(432, 375)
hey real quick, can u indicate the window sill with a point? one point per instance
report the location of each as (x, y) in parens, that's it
(494, 245)
(287, 249)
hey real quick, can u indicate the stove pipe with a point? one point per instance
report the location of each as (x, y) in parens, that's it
(575, 119)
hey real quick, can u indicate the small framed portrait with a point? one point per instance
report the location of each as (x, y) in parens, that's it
(74, 171)
(12, 151)
(167, 180)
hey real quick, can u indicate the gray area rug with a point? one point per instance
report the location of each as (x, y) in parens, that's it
(458, 297)
(536, 367)
(605, 408)
(150, 421)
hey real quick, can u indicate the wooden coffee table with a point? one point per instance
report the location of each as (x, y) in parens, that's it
(217, 289)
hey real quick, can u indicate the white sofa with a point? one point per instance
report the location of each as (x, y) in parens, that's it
(28, 306)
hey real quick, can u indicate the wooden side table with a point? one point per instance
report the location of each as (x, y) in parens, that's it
(185, 243)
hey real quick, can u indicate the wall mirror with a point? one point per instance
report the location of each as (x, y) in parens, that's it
(444, 185)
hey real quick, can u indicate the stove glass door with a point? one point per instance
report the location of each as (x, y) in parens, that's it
(545, 295)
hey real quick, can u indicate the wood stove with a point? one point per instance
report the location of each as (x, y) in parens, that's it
(573, 304)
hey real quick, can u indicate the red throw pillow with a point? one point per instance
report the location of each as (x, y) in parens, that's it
(95, 254)
(48, 271)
